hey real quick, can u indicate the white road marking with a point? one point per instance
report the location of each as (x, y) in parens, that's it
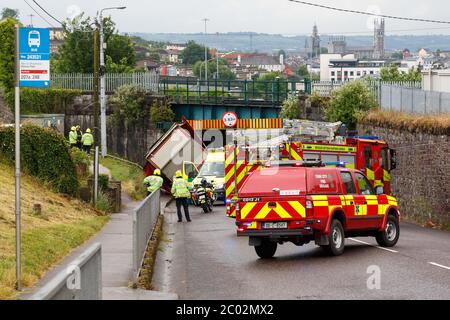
(366, 243)
(439, 265)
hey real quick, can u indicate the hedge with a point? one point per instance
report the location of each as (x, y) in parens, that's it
(37, 101)
(45, 154)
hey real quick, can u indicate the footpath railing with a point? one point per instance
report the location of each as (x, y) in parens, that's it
(148, 81)
(145, 218)
(82, 280)
(411, 100)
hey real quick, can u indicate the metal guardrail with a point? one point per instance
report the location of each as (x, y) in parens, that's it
(145, 218)
(82, 280)
(85, 81)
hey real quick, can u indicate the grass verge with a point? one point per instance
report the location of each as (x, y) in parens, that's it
(130, 176)
(432, 124)
(48, 235)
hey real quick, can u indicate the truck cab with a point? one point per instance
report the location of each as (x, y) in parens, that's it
(304, 203)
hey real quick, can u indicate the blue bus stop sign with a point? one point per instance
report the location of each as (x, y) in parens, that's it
(34, 57)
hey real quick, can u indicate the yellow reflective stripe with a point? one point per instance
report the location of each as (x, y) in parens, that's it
(318, 198)
(386, 176)
(230, 190)
(372, 202)
(350, 166)
(263, 212)
(254, 225)
(331, 209)
(360, 210)
(370, 174)
(247, 208)
(298, 208)
(321, 203)
(382, 208)
(282, 212)
(315, 147)
(393, 203)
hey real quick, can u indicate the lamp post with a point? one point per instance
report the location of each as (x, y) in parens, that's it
(102, 82)
(206, 51)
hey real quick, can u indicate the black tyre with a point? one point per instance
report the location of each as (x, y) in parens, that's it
(266, 250)
(205, 208)
(336, 239)
(389, 237)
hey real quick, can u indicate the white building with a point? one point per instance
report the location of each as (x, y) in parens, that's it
(176, 46)
(335, 67)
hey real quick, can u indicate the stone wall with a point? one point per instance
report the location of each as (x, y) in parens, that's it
(422, 179)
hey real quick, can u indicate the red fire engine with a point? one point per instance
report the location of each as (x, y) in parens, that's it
(305, 142)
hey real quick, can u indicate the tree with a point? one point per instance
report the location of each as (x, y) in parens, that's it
(77, 52)
(392, 73)
(10, 13)
(7, 52)
(224, 72)
(193, 53)
(348, 101)
(290, 109)
(302, 71)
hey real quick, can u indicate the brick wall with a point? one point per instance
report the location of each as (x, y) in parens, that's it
(422, 179)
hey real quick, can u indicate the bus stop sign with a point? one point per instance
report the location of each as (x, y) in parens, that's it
(34, 57)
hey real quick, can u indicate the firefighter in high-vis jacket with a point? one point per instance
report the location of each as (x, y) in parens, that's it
(154, 182)
(182, 195)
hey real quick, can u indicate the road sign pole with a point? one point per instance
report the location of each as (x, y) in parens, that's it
(102, 91)
(17, 160)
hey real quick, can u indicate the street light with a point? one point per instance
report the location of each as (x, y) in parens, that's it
(102, 83)
(206, 51)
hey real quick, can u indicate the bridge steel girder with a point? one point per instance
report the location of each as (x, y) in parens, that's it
(215, 112)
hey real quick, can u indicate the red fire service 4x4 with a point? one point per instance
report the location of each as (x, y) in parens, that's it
(304, 203)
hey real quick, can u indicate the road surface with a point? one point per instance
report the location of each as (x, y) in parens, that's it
(205, 260)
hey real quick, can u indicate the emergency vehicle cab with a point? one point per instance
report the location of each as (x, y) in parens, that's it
(305, 201)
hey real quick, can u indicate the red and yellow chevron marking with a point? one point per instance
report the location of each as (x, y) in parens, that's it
(242, 124)
(286, 210)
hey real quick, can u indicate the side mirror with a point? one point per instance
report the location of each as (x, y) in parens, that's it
(379, 190)
(393, 159)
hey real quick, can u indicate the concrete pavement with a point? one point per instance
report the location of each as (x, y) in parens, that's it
(117, 265)
(205, 260)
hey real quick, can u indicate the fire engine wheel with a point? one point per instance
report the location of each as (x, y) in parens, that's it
(336, 239)
(266, 249)
(389, 237)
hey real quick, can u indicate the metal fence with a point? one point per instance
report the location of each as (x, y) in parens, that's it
(326, 88)
(410, 100)
(145, 218)
(148, 81)
(82, 280)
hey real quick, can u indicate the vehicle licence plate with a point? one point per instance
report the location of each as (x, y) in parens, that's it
(275, 225)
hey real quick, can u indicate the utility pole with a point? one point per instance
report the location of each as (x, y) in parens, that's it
(31, 20)
(206, 50)
(103, 82)
(217, 60)
(96, 84)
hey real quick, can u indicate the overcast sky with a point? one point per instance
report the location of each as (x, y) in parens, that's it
(265, 16)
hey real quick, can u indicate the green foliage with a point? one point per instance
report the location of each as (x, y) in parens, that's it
(44, 154)
(162, 113)
(271, 82)
(79, 157)
(224, 72)
(121, 67)
(37, 101)
(302, 71)
(392, 73)
(10, 13)
(128, 103)
(318, 101)
(103, 181)
(348, 101)
(290, 109)
(193, 53)
(7, 51)
(103, 202)
(76, 54)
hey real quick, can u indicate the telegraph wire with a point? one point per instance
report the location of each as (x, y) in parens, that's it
(39, 14)
(368, 13)
(47, 12)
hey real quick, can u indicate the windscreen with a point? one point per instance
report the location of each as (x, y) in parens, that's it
(216, 169)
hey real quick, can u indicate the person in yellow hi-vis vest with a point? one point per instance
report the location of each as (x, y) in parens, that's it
(182, 195)
(87, 140)
(154, 182)
(73, 137)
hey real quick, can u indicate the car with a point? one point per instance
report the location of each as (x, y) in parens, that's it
(34, 39)
(304, 203)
